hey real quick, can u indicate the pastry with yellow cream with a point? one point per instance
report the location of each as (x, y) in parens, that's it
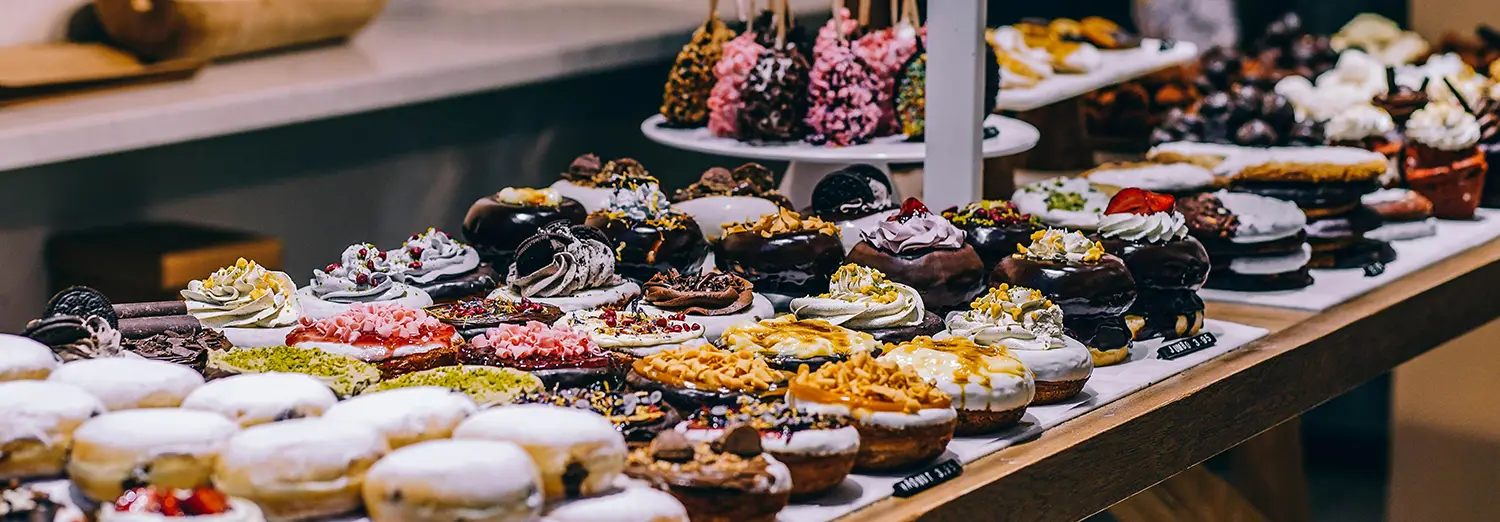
(862, 299)
(499, 222)
(1094, 289)
(903, 419)
(787, 342)
(1030, 328)
(989, 386)
(696, 376)
(250, 305)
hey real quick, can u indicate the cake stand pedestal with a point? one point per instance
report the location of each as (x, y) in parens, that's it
(809, 163)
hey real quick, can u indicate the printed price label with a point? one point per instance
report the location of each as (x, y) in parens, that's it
(933, 476)
(1186, 346)
(1374, 269)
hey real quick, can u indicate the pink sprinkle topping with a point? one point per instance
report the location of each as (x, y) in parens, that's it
(534, 339)
(372, 322)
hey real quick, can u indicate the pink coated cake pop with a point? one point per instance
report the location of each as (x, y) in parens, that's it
(724, 103)
(828, 35)
(842, 90)
(887, 51)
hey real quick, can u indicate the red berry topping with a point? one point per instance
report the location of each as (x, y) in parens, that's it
(415, 264)
(381, 256)
(910, 208)
(415, 251)
(1138, 201)
(364, 252)
(361, 279)
(331, 267)
(205, 501)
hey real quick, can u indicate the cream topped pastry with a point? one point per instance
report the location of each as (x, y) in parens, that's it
(714, 300)
(244, 300)
(1094, 289)
(1443, 160)
(923, 250)
(22, 359)
(993, 227)
(395, 338)
(783, 255)
(559, 355)
(1254, 243)
(1145, 230)
(990, 387)
(1062, 202)
(364, 274)
(903, 419)
(818, 449)
(854, 198)
(861, 298)
(1443, 127)
(570, 267)
(592, 182)
(161, 504)
(446, 269)
(732, 478)
(787, 342)
(1030, 326)
(695, 376)
(1061, 246)
(635, 332)
(648, 235)
(1357, 124)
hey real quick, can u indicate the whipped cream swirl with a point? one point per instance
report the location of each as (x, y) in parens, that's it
(1357, 123)
(919, 232)
(578, 264)
(434, 255)
(364, 274)
(1159, 227)
(1443, 127)
(640, 202)
(1015, 317)
(862, 298)
(1061, 246)
(244, 295)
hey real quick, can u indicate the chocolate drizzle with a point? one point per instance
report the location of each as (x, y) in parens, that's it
(714, 293)
(186, 349)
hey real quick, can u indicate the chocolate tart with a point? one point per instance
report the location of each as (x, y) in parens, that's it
(818, 449)
(1094, 296)
(473, 316)
(639, 416)
(728, 480)
(692, 377)
(782, 254)
(994, 228)
(715, 300)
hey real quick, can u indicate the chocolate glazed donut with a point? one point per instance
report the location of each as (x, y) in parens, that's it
(794, 264)
(649, 249)
(947, 278)
(996, 243)
(1093, 297)
(496, 228)
(1167, 278)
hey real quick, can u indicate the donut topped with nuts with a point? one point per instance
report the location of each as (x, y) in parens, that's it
(711, 369)
(866, 383)
(768, 417)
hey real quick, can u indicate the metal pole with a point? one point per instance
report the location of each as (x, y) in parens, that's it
(955, 32)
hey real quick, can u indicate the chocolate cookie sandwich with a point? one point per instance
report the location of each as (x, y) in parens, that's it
(1404, 214)
(346, 375)
(993, 227)
(559, 356)
(923, 251)
(783, 255)
(1094, 289)
(570, 267)
(363, 275)
(818, 449)
(249, 304)
(729, 479)
(473, 316)
(1070, 203)
(990, 387)
(720, 197)
(592, 183)
(855, 199)
(1327, 184)
(487, 385)
(903, 420)
(648, 235)
(1254, 243)
(446, 269)
(637, 415)
(1030, 327)
(395, 338)
(788, 343)
(498, 223)
(696, 376)
(862, 299)
(633, 332)
(1145, 230)
(713, 300)
(79, 323)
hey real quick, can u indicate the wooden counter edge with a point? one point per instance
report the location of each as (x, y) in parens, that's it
(1086, 465)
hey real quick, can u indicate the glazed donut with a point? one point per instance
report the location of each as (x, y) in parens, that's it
(447, 480)
(39, 420)
(168, 447)
(260, 398)
(126, 383)
(23, 359)
(634, 503)
(406, 416)
(299, 469)
(578, 452)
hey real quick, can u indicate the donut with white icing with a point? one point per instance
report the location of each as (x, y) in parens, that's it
(126, 383)
(39, 420)
(24, 359)
(168, 447)
(406, 416)
(260, 398)
(300, 469)
(578, 452)
(448, 480)
(629, 504)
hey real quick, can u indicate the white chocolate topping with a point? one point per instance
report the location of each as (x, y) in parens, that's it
(124, 383)
(406, 414)
(259, 398)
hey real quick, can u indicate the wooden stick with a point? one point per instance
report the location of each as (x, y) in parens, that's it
(864, 13)
(895, 12)
(914, 13)
(713, 9)
(780, 16)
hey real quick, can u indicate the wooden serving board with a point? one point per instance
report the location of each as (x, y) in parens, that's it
(41, 71)
(212, 29)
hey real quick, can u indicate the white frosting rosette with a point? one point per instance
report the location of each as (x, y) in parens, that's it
(250, 305)
(1157, 228)
(1027, 323)
(433, 255)
(1062, 202)
(1357, 123)
(862, 298)
(1443, 127)
(1061, 247)
(364, 274)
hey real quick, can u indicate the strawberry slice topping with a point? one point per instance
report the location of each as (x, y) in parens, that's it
(910, 208)
(1138, 201)
(173, 502)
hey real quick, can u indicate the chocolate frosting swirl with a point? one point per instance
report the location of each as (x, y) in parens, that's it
(714, 293)
(580, 259)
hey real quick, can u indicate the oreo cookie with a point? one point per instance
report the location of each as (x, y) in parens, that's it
(82, 302)
(855, 191)
(536, 252)
(57, 330)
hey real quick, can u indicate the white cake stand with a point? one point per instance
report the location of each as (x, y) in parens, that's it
(809, 163)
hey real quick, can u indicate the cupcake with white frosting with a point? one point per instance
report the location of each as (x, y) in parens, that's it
(363, 275)
(990, 387)
(250, 305)
(446, 269)
(1363, 126)
(570, 267)
(922, 250)
(1070, 203)
(1443, 161)
(861, 298)
(1030, 327)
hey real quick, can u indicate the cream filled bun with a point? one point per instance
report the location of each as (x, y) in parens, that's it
(167, 447)
(24, 359)
(578, 452)
(299, 469)
(37, 420)
(259, 398)
(630, 504)
(448, 480)
(637, 333)
(990, 388)
(126, 383)
(406, 416)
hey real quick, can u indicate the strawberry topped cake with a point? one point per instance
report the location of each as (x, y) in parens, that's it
(393, 337)
(1145, 230)
(562, 357)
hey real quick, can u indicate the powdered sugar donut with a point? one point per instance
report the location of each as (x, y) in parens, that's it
(259, 398)
(168, 447)
(407, 416)
(446, 480)
(558, 439)
(24, 359)
(628, 504)
(299, 469)
(40, 418)
(125, 383)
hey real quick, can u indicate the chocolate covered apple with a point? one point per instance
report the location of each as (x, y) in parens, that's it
(647, 235)
(1094, 289)
(1145, 231)
(498, 223)
(926, 252)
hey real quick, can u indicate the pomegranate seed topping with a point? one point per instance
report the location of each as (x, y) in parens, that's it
(415, 264)
(362, 279)
(331, 267)
(364, 252)
(415, 251)
(381, 256)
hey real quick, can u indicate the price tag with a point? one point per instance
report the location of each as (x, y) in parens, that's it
(925, 480)
(1374, 269)
(1186, 346)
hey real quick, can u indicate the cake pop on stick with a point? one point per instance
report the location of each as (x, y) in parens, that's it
(724, 103)
(685, 99)
(842, 91)
(775, 93)
(911, 96)
(841, 24)
(888, 51)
